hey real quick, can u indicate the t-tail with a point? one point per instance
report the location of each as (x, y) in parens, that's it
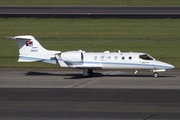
(30, 50)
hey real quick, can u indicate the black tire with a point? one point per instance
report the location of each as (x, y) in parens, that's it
(84, 76)
(90, 72)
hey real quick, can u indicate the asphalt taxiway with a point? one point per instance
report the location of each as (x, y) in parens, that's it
(72, 78)
(90, 9)
(140, 12)
(44, 94)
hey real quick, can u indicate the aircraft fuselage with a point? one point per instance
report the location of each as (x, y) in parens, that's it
(31, 50)
(109, 60)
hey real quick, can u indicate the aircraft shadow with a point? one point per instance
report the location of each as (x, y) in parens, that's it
(73, 76)
(80, 76)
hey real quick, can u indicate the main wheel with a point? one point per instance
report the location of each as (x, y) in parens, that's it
(85, 76)
(87, 72)
(156, 75)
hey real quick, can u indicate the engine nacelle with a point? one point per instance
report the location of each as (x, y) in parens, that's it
(74, 56)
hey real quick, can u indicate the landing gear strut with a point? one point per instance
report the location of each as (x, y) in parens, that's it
(156, 75)
(87, 72)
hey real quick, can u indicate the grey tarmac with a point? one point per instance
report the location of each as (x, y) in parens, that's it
(63, 94)
(72, 78)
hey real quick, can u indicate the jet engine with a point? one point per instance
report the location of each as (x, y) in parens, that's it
(72, 56)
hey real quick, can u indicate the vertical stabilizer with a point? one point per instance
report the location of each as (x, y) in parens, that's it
(28, 45)
(31, 50)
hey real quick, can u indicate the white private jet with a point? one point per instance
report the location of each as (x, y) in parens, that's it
(31, 50)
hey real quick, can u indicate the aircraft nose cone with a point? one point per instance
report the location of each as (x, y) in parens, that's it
(172, 67)
(169, 66)
(163, 65)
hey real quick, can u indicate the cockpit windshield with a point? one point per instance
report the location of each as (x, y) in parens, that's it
(145, 57)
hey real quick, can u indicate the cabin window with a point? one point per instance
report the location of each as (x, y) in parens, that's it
(115, 57)
(102, 57)
(123, 58)
(109, 58)
(95, 58)
(130, 58)
(145, 57)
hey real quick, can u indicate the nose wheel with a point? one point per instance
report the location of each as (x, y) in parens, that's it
(156, 75)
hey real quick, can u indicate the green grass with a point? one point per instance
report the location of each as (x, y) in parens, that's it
(158, 37)
(92, 2)
(92, 28)
(167, 51)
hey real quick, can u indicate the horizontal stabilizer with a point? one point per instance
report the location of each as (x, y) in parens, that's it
(28, 59)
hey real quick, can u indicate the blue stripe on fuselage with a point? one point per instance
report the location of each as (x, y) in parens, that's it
(88, 62)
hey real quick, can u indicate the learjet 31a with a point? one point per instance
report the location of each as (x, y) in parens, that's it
(31, 50)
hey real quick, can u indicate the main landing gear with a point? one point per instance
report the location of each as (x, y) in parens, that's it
(87, 72)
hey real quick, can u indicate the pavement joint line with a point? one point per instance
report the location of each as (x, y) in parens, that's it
(79, 84)
(108, 80)
(89, 81)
